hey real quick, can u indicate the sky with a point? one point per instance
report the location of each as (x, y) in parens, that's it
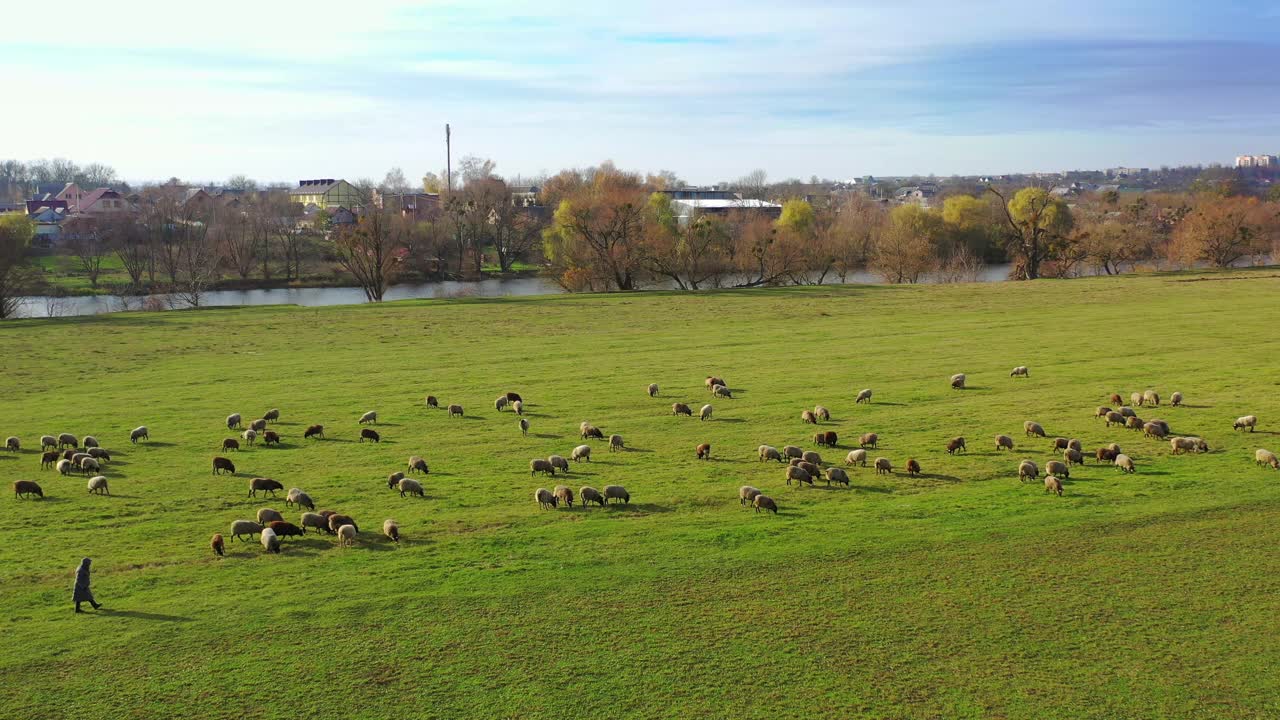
(281, 91)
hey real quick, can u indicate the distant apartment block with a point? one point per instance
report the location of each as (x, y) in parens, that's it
(326, 194)
(1257, 161)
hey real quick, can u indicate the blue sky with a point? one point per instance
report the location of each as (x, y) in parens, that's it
(281, 91)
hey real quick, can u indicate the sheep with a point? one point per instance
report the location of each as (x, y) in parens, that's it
(830, 438)
(618, 493)
(705, 413)
(524, 426)
(336, 521)
(913, 467)
(233, 421)
(220, 464)
(820, 438)
(409, 486)
(1115, 399)
(957, 381)
(1200, 445)
(1152, 398)
(592, 432)
(1004, 442)
(1134, 423)
(768, 452)
(747, 494)
(791, 451)
(955, 445)
(1057, 467)
(432, 402)
(100, 454)
(284, 529)
(582, 452)
(869, 440)
(538, 465)
(299, 498)
(563, 494)
(1033, 428)
(369, 434)
(347, 535)
(76, 457)
(1163, 425)
(1248, 421)
(48, 459)
(799, 475)
(1128, 412)
(1175, 399)
(1102, 411)
(1114, 418)
(272, 415)
(455, 410)
(394, 478)
(559, 463)
(68, 440)
(64, 467)
(1154, 430)
(615, 443)
(315, 520)
(23, 488)
(88, 442)
(652, 389)
(139, 433)
(391, 529)
(808, 417)
(244, 527)
(713, 381)
(1053, 485)
(89, 466)
(518, 407)
(1020, 371)
(722, 391)
(1027, 469)
(856, 457)
(250, 435)
(259, 425)
(821, 413)
(1114, 448)
(1059, 444)
(863, 397)
(1125, 463)
(266, 485)
(837, 475)
(1104, 454)
(811, 456)
(270, 437)
(514, 397)
(231, 444)
(369, 417)
(811, 468)
(266, 515)
(589, 494)
(417, 464)
(217, 545)
(681, 409)
(500, 403)
(883, 466)
(1073, 456)
(313, 431)
(764, 502)
(1075, 444)
(703, 451)
(48, 441)
(1266, 457)
(1136, 399)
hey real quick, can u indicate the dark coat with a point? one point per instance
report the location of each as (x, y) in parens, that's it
(82, 592)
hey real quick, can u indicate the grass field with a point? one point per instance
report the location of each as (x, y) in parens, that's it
(962, 593)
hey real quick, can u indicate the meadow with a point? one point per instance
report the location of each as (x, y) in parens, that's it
(961, 593)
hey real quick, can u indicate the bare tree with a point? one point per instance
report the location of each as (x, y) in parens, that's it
(372, 250)
(515, 233)
(129, 243)
(238, 243)
(90, 244)
(198, 262)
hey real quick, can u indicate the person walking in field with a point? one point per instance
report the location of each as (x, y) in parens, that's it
(82, 592)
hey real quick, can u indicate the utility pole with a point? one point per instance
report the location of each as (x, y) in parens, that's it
(448, 159)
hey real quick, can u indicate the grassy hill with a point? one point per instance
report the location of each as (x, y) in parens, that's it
(960, 593)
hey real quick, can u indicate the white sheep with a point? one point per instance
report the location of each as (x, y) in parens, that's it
(249, 435)
(347, 535)
(545, 499)
(1027, 469)
(409, 486)
(270, 541)
(518, 406)
(244, 527)
(1175, 399)
(259, 425)
(500, 403)
(1248, 421)
(864, 397)
(768, 452)
(233, 421)
(1125, 463)
(582, 452)
(653, 389)
(721, 391)
(705, 413)
(1033, 428)
(369, 417)
(559, 463)
(747, 494)
(1266, 457)
(64, 467)
(1020, 371)
(856, 457)
(837, 475)
(391, 529)
(13, 444)
(617, 492)
(98, 485)
(315, 520)
(89, 465)
(821, 413)
(615, 443)
(524, 426)
(957, 381)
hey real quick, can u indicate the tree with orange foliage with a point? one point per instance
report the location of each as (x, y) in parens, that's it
(1222, 231)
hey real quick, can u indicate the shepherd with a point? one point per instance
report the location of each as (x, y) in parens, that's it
(82, 592)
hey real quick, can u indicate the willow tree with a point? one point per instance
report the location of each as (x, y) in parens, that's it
(597, 233)
(1038, 224)
(16, 276)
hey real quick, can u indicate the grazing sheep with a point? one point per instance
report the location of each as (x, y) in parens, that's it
(417, 464)
(681, 409)
(713, 381)
(703, 451)
(514, 397)
(882, 465)
(394, 478)
(1057, 467)
(500, 403)
(64, 467)
(1134, 423)
(1113, 448)
(1020, 371)
(518, 407)
(863, 397)
(231, 444)
(233, 421)
(68, 440)
(1200, 445)
(1033, 428)
(313, 431)
(856, 457)
(1075, 444)
(811, 468)
(369, 434)
(582, 452)
(432, 401)
(266, 515)
(653, 389)
(1175, 399)
(244, 527)
(409, 486)
(589, 495)
(12, 444)
(538, 465)
(559, 463)
(271, 437)
(811, 457)
(1135, 399)
(259, 425)
(957, 381)
(1114, 418)
(455, 410)
(615, 443)
(1125, 463)
(347, 535)
(799, 475)
(705, 413)
(747, 495)
(272, 415)
(1163, 425)
(48, 459)
(266, 485)
(299, 498)
(524, 426)
(139, 433)
(1154, 430)
(1266, 457)
(830, 438)
(837, 475)
(315, 520)
(808, 417)
(1102, 411)
(722, 391)
(1128, 411)
(1027, 469)
(48, 441)
(822, 413)
(1248, 421)
(1053, 485)
(369, 417)
(100, 454)
(764, 502)
(869, 440)
(284, 529)
(88, 442)
(23, 488)
(791, 451)
(1004, 442)
(1073, 456)
(250, 435)
(217, 545)
(336, 522)
(768, 452)
(1059, 444)
(1115, 399)
(618, 493)
(564, 494)
(955, 445)
(1152, 398)
(913, 467)
(820, 438)
(220, 464)
(592, 432)
(89, 465)
(1104, 454)
(391, 529)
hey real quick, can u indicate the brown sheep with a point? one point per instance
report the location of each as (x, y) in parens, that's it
(955, 445)
(800, 476)
(313, 431)
(369, 434)
(593, 433)
(681, 409)
(266, 485)
(272, 415)
(1114, 418)
(764, 502)
(1027, 469)
(821, 413)
(869, 440)
(1133, 423)
(336, 521)
(1102, 411)
(48, 458)
(1154, 430)
(258, 425)
(417, 464)
(23, 488)
(1059, 444)
(1033, 428)
(1104, 454)
(653, 389)
(284, 529)
(267, 515)
(231, 444)
(913, 467)
(1073, 456)
(883, 465)
(811, 456)
(712, 381)
(455, 410)
(271, 437)
(831, 438)
(1116, 399)
(220, 464)
(514, 397)
(704, 451)
(957, 381)
(563, 494)
(819, 438)
(1075, 444)
(538, 465)
(217, 544)
(432, 401)
(808, 417)
(1053, 485)
(1057, 467)
(811, 468)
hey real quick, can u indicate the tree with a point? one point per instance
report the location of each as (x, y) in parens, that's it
(129, 243)
(858, 224)
(1038, 225)
(1109, 244)
(597, 231)
(1222, 231)
(689, 253)
(754, 185)
(238, 243)
(372, 249)
(474, 169)
(906, 249)
(431, 183)
(797, 216)
(90, 243)
(198, 261)
(515, 232)
(241, 183)
(16, 277)
(394, 182)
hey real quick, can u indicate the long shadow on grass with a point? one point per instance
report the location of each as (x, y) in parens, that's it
(632, 508)
(156, 443)
(636, 449)
(937, 476)
(891, 404)
(545, 436)
(729, 420)
(871, 488)
(139, 615)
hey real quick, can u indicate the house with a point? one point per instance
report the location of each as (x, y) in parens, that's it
(689, 193)
(195, 197)
(71, 194)
(687, 208)
(34, 205)
(327, 194)
(417, 206)
(102, 201)
(921, 195)
(48, 222)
